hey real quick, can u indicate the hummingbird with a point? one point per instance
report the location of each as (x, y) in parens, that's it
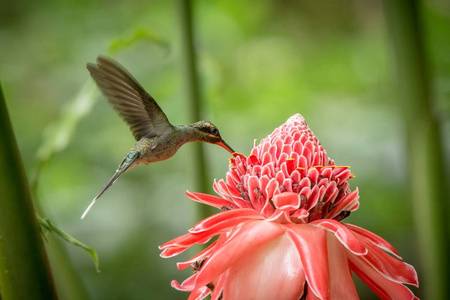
(156, 138)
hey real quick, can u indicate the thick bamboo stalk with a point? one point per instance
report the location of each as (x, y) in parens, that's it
(425, 157)
(24, 267)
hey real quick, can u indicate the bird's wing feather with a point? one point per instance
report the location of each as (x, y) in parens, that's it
(128, 97)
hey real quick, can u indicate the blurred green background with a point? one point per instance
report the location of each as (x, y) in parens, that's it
(259, 63)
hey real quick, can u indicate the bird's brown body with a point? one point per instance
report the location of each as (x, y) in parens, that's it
(164, 146)
(157, 139)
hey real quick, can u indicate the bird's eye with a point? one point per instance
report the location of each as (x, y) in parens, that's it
(214, 131)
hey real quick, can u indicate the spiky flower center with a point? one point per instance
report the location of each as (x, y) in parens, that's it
(290, 171)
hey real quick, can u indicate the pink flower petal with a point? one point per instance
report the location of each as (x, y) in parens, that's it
(296, 177)
(199, 294)
(279, 176)
(181, 243)
(287, 201)
(380, 285)
(237, 154)
(225, 219)
(302, 162)
(252, 234)
(311, 243)
(263, 182)
(279, 216)
(341, 281)
(172, 251)
(187, 285)
(267, 209)
(301, 215)
(271, 271)
(375, 239)
(389, 266)
(331, 192)
(202, 254)
(267, 158)
(343, 234)
(349, 203)
(307, 153)
(254, 192)
(233, 177)
(221, 188)
(290, 166)
(253, 160)
(287, 184)
(271, 187)
(313, 175)
(218, 288)
(313, 197)
(226, 191)
(210, 200)
(344, 175)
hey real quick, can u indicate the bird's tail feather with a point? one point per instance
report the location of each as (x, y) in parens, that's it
(127, 162)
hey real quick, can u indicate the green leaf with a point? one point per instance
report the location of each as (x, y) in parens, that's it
(58, 133)
(138, 34)
(47, 224)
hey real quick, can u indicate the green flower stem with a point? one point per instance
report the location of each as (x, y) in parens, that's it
(24, 266)
(426, 161)
(192, 88)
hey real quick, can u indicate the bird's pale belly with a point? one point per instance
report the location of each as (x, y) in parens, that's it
(153, 151)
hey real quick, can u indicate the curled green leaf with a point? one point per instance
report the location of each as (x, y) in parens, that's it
(138, 34)
(49, 226)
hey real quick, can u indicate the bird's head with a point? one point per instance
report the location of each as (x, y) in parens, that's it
(208, 132)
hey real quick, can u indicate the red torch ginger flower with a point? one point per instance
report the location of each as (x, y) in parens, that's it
(279, 232)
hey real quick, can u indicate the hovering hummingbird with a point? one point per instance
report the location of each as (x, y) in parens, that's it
(157, 139)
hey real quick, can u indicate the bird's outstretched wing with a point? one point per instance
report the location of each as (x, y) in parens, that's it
(128, 97)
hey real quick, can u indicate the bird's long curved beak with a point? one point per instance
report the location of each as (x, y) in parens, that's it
(225, 146)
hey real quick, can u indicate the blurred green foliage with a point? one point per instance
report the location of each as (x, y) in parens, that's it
(260, 62)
